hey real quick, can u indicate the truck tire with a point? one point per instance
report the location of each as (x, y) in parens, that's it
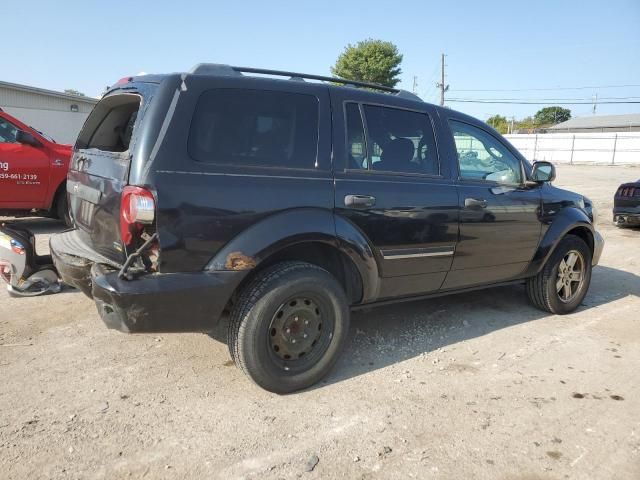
(288, 326)
(564, 281)
(62, 207)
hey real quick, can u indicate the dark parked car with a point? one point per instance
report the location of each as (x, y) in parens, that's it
(288, 202)
(626, 205)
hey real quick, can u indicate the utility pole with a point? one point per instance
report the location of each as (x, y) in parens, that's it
(595, 103)
(513, 119)
(443, 88)
(415, 85)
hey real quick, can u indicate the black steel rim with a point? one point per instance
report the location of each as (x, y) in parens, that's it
(300, 332)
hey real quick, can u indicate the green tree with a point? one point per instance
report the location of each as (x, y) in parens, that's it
(71, 91)
(370, 60)
(552, 115)
(526, 124)
(499, 123)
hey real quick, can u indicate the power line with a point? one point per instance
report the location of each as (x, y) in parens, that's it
(544, 89)
(551, 99)
(462, 100)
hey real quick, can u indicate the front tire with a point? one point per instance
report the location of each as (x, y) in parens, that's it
(288, 326)
(564, 281)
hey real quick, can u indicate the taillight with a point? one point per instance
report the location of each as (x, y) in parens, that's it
(123, 81)
(137, 209)
(627, 192)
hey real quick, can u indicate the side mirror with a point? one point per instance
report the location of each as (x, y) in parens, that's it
(543, 172)
(27, 139)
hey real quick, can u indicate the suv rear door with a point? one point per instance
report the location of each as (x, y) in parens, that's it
(392, 185)
(499, 215)
(99, 168)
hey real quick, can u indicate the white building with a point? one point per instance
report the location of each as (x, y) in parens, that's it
(599, 123)
(58, 115)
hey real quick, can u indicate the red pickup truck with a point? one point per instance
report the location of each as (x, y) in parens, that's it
(33, 171)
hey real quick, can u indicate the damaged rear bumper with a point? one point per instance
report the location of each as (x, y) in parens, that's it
(73, 260)
(170, 302)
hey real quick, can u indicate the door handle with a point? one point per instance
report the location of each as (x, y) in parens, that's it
(359, 201)
(57, 162)
(475, 203)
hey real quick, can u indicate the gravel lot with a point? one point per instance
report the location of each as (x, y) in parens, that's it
(478, 385)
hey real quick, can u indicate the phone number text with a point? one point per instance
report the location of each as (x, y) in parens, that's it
(18, 176)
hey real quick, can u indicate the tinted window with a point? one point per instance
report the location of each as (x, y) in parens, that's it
(398, 141)
(7, 132)
(356, 145)
(254, 127)
(481, 156)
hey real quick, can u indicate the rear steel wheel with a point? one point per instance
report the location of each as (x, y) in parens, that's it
(288, 326)
(296, 334)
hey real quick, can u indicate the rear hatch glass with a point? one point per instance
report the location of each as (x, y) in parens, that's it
(100, 169)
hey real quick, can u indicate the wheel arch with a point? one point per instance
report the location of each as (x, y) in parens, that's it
(585, 234)
(310, 235)
(569, 221)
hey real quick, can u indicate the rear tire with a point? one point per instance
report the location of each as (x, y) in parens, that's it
(62, 208)
(558, 288)
(288, 326)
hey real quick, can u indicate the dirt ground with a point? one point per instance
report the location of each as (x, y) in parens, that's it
(478, 385)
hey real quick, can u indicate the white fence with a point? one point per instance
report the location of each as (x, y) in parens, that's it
(591, 148)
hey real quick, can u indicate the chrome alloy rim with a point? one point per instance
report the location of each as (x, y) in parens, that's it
(570, 276)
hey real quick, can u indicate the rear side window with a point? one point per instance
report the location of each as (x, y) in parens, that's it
(255, 127)
(109, 127)
(397, 140)
(356, 145)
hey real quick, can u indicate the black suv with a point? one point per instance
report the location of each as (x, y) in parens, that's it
(287, 202)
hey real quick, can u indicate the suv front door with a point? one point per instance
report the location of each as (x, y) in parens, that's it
(389, 183)
(499, 215)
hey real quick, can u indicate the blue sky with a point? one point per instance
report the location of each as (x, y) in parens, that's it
(495, 45)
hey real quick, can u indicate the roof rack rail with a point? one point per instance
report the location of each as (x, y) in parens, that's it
(228, 70)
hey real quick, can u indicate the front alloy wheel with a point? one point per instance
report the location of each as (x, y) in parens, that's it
(570, 276)
(563, 282)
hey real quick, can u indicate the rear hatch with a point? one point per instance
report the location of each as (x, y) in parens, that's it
(100, 165)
